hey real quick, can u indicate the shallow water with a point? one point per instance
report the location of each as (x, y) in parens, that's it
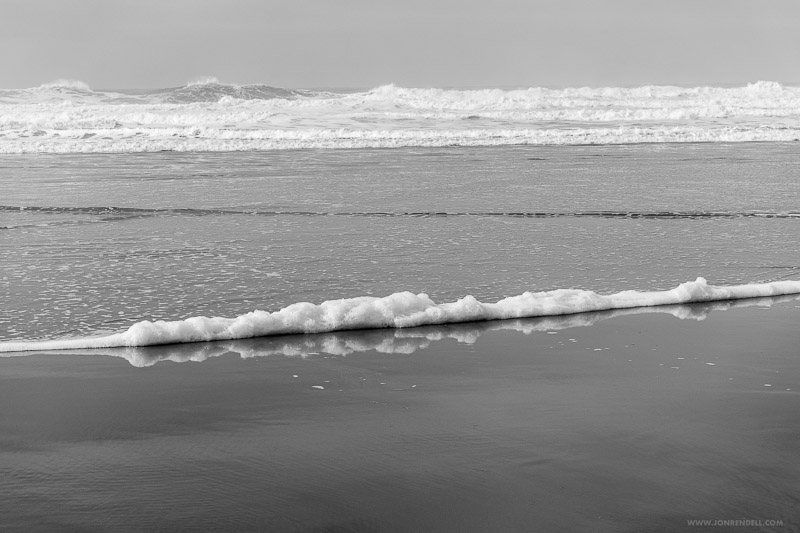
(105, 240)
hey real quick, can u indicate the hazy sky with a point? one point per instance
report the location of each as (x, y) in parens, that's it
(419, 43)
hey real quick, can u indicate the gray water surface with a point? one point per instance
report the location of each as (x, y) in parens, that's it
(93, 243)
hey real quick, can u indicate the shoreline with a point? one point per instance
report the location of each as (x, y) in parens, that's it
(400, 311)
(639, 421)
(396, 340)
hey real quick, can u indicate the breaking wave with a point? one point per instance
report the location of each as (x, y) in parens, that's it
(212, 91)
(75, 85)
(67, 116)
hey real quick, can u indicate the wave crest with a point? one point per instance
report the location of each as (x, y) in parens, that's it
(204, 80)
(211, 90)
(75, 85)
(765, 87)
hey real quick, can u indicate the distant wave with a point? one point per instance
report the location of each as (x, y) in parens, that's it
(115, 138)
(65, 84)
(208, 89)
(763, 94)
(400, 310)
(216, 92)
(204, 80)
(68, 117)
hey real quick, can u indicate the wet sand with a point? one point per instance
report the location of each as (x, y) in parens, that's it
(637, 422)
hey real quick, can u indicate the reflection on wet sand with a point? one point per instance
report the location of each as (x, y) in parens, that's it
(394, 341)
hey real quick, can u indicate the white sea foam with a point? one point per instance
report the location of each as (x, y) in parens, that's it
(67, 116)
(400, 310)
(394, 341)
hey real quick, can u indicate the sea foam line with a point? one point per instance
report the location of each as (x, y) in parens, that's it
(394, 341)
(127, 140)
(400, 310)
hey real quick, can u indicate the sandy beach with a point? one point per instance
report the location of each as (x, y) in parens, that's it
(637, 422)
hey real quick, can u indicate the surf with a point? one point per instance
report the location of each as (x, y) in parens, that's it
(68, 116)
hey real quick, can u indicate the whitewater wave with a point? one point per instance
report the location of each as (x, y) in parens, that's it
(211, 91)
(204, 90)
(400, 310)
(67, 116)
(196, 139)
(394, 341)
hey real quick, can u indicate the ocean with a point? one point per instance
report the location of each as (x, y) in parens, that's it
(217, 200)
(215, 212)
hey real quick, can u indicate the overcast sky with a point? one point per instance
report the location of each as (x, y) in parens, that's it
(414, 43)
